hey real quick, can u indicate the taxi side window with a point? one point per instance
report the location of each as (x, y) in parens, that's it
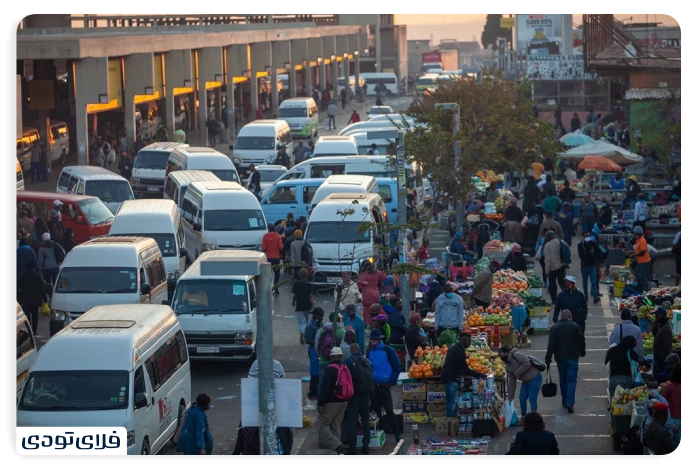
(138, 381)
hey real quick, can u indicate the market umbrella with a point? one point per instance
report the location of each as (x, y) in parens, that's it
(602, 148)
(599, 163)
(575, 139)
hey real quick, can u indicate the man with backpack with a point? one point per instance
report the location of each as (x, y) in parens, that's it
(325, 342)
(55, 226)
(573, 300)
(385, 373)
(51, 255)
(300, 253)
(334, 393)
(556, 257)
(363, 389)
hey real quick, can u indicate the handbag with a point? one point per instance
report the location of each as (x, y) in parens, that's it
(549, 389)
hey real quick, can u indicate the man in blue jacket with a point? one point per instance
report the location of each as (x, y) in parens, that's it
(396, 320)
(565, 219)
(195, 438)
(351, 319)
(385, 373)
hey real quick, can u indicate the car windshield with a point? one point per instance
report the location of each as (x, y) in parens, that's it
(166, 242)
(347, 232)
(227, 175)
(292, 112)
(151, 160)
(211, 296)
(97, 280)
(271, 176)
(95, 211)
(75, 390)
(109, 191)
(233, 220)
(426, 81)
(255, 143)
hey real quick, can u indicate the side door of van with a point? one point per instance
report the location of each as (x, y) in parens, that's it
(193, 239)
(181, 244)
(26, 352)
(388, 192)
(324, 170)
(279, 201)
(308, 192)
(144, 383)
(157, 279)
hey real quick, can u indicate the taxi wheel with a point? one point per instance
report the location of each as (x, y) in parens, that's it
(145, 450)
(179, 418)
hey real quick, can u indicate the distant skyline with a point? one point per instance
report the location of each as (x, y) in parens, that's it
(469, 27)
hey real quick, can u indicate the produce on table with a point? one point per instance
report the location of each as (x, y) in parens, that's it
(622, 396)
(429, 320)
(481, 264)
(634, 302)
(494, 246)
(505, 299)
(533, 301)
(648, 342)
(475, 320)
(534, 281)
(433, 359)
(497, 217)
(447, 338)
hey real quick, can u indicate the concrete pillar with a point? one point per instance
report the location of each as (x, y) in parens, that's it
(329, 44)
(178, 73)
(378, 47)
(231, 121)
(280, 55)
(316, 51)
(274, 91)
(355, 49)
(140, 77)
(45, 70)
(292, 80)
(91, 81)
(237, 66)
(260, 55)
(209, 69)
(346, 75)
(308, 79)
(299, 52)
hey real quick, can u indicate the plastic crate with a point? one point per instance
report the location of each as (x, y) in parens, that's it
(643, 324)
(620, 423)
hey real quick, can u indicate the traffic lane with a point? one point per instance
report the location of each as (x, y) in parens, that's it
(222, 380)
(398, 104)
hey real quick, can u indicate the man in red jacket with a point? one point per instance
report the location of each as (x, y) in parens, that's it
(354, 117)
(272, 245)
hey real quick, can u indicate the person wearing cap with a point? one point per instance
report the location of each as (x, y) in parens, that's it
(48, 262)
(331, 408)
(656, 436)
(662, 345)
(590, 258)
(566, 345)
(386, 367)
(565, 219)
(453, 369)
(515, 259)
(422, 253)
(354, 321)
(631, 192)
(310, 335)
(272, 245)
(58, 206)
(574, 301)
(483, 285)
(296, 247)
(642, 256)
(415, 335)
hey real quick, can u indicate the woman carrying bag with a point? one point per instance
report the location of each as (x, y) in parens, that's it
(520, 367)
(622, 370)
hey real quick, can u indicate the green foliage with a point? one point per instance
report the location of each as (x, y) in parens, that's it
(492, 31)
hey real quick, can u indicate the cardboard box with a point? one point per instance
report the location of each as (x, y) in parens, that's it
(539, 323)
(435, 408)
(435, 387)
(442, 426)
(414, 392)
(505, 330)
(437, 397)
(415, 407)
(453, 424)
(378, 440)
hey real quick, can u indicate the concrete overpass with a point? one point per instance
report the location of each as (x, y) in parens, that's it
(112, 68)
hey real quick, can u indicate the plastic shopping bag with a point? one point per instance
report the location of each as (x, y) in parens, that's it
(511, 417)
(45, 310)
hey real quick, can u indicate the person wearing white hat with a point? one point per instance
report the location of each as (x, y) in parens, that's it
(51, 255)
(573, 300)
(331, 408)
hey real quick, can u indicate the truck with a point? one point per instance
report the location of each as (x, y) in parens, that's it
(449, 58)
(431, 60)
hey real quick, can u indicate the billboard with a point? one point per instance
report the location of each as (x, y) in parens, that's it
(557, 67)
(539, 34)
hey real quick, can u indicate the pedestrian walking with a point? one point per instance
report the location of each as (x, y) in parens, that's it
(310, 334)
(530, 194)
(272, 245)
(554, 266)
(44, 162)
(300, 152)
(300, 253)
(565, 219)
(358, 406)
(331, 111)
(642, 256)
(368, 284)
(662, 345)
(55, 226)
(195, 437)
(303, 300)
(350, 293)
(354, 321)
(567, 344)
(25, 254)
(343, 98)
(51, 255)
(590, 257)
(588, 213)
(518, 366)
(35, 162)
(31, 294)
(354, 117)
(534, 439)
(68, 242)
(332, 405)
(385, 373)
(572, 299)
(125, 166)
(454, 368)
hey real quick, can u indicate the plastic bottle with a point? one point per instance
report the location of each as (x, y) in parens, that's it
(416, 434)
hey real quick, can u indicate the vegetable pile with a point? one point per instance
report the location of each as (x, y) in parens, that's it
(505, 299)
(510, 280)
(533, 301)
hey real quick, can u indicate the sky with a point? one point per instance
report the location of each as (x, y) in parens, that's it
(466, 27)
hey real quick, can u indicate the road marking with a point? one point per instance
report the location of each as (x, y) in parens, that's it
(543, 350)
(594, 380)
(575, 414)
(230, 397)
(583, 435)
(605, 301)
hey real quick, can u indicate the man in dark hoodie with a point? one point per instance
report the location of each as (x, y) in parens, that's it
(25, 254)
(396, 320)
(655, 436)
(50, 259)
(30, 294)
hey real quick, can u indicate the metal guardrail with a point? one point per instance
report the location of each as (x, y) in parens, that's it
(111, 21)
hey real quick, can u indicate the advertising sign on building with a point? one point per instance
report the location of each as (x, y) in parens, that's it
(539, 34)
(557, 67)
(431, 57)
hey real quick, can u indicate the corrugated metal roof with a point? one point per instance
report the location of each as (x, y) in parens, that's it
(660, 94)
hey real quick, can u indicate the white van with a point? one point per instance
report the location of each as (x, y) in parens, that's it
(29, 134)
(202, 158)
(20, 177)
(216, 306)
(123, 365)
(344, 184)
(150, 167)
(26, 349)
(376, 166)
(107, 270)
(387, 79)
(342, 83)
(377, 124)
(160, 220)
(110, 188)
(177, 183)
(339, 242)
(302, 116)
(221, 216)
(258, 143)
(364, 143)
(335, 146)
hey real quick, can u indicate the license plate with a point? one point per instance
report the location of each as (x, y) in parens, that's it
(153, 189)
(208, 349)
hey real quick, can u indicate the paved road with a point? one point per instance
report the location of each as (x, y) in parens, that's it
(222, 380)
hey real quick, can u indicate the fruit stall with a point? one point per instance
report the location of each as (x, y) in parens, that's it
(625, 403)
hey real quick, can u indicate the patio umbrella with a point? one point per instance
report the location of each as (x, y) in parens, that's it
(575, 139)
(602, 148)
(599, 163)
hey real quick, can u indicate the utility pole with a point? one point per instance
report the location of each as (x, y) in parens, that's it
(460, 208)
(264, 351)
(401, 219)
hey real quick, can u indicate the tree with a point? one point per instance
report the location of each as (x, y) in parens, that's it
(492, 31)
(497, 132)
